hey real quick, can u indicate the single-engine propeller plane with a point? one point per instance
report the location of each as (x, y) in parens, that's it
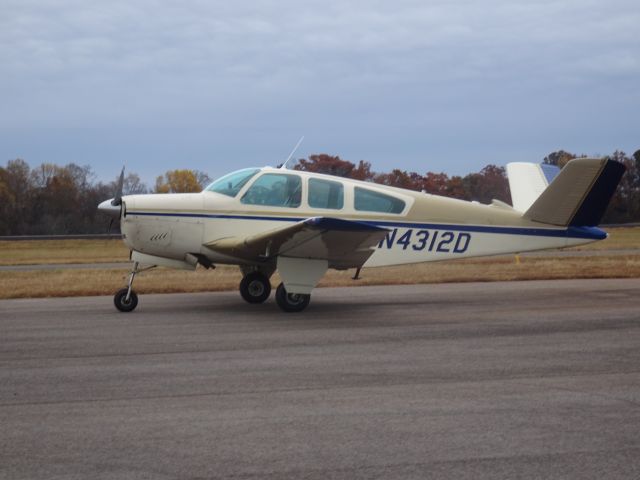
(301, 224)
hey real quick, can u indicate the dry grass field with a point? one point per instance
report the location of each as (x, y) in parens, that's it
(75, 282)
(29, 252)
(620, 238)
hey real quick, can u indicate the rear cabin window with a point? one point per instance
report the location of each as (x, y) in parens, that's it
(326, 194)
(370, 201)
(274, 190)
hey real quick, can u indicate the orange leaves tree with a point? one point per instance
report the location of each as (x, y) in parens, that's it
(179, 181)
(334, 165)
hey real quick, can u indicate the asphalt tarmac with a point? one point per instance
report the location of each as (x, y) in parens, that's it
(461, 381)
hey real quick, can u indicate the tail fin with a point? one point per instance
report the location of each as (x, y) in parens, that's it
(579, 195)
(527, 181)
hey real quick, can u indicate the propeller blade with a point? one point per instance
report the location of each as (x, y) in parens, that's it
(117, 198)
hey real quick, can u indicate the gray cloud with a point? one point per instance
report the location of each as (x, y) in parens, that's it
(546, 74)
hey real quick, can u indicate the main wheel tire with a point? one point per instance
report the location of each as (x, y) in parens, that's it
(255, 287)
(291, 302)
(121, 302)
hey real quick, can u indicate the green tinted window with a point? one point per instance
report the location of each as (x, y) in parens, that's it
(370, 201)
(325, 194)
(276, 190)
(232, 183)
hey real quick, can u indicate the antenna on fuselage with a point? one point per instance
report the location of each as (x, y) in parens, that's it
(284, 165)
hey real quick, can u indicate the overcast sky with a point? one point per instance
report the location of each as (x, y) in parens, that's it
(217, 85)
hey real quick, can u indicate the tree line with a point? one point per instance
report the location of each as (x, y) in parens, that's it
(57, 200)
(60, 200)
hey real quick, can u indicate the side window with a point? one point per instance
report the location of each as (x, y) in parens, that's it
(325, 194)
(370, 201)
(275, 190)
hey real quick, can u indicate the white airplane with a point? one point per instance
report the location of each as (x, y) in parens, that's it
(301, 224)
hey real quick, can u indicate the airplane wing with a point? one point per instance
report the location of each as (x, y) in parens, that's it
(342, 243)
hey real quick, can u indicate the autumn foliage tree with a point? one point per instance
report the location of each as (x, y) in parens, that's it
(435, 183)
(559, 158)
(50, 199)
(179, 181)
(490, 183)
(15, 199)
(625, 204)
(331, 165)
(7, 199)
(399, 178)
(132, 184)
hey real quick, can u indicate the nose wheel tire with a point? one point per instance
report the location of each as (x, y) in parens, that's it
(291, 302)
(255, 288)
(121, 302)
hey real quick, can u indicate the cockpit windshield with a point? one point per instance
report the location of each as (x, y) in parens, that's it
(232, 183)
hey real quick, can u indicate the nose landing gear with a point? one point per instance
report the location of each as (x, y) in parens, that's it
(125, 299)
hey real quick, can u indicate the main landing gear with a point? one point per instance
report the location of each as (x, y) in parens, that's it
(126, 299)
(255, 287)
(291, 302)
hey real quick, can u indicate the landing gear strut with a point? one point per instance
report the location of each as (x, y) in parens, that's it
(291, 302)
(255, 287)
(126, 299)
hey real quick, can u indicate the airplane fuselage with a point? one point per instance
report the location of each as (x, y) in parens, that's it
(426, 227)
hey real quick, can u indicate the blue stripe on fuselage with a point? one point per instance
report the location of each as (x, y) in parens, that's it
(592, 233)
